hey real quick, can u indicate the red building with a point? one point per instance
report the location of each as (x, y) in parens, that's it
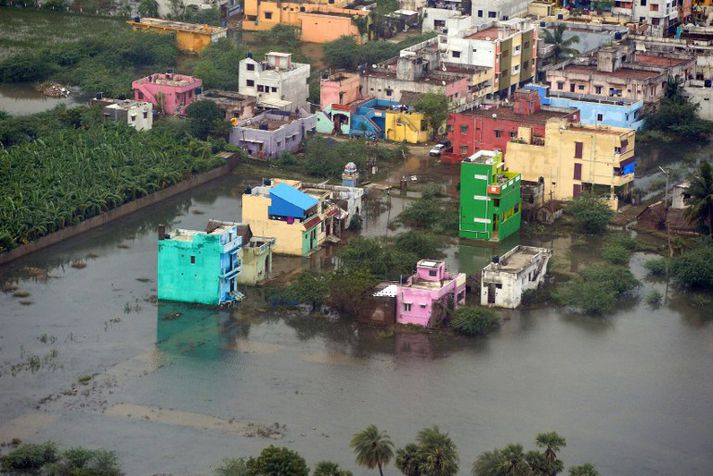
(490, 128)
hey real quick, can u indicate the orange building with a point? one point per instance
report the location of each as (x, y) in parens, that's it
(318, 22)
(189, 37)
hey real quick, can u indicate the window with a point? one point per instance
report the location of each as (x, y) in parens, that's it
(517, 49)
(432, 272)
(527, 44)
(133, 118)
(268, 15)
(463, 129)
(617, 150)
(578, 171)
(492, 15)
(389, 91)
(560, 85)
(475, 50)
(480, 13)
(578, 150)
(260, 88)
(581, 87)
(250, 83)
(598, 89)
(274, 89)
(193, 260)
(251, 67)
(513, 134)
(146, 115)
(141, 95)
(407, 306)
(654, 7)
(571, 88)
(496, 202)
(463, 149)
(498, 133)
(600, 117)
(643, 3)
(455, 54)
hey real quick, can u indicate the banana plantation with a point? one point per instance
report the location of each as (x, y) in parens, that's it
(75, 174)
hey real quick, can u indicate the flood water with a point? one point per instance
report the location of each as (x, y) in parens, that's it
(22, 98)
(175, 388)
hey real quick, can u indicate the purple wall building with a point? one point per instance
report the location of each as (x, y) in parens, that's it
(271, 133)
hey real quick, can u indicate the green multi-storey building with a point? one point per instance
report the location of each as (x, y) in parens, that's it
(490, 201)
(200, 266)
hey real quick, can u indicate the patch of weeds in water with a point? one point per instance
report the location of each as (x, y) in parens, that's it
(21, 294)
(47, 339)
(144, 280)
(85, 379)
(78, 264)
(92, 256)
(26, 302)
(123, 246)
(198, 212)
(8, 287)
(701, 301)
(654, 298)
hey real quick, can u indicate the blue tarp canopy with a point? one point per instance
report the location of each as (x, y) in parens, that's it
(289, 202)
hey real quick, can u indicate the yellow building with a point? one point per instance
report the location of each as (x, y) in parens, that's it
(410, 127)
(574, 158)
(190, 37)
(318, 21)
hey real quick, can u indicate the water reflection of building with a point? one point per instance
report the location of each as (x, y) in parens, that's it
(412, 345)
(189, 329)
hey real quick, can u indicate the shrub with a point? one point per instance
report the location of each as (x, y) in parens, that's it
(656, 266)
(654, 298)
(233, 467)
(694, 269)
(274, 461)
(596, 289)
(84, 462)
(30, 457)
(328, 468)
(421, 244)
(474, 321)
(615, 253)
(590, 213)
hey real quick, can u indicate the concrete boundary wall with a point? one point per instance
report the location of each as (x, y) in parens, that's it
(119, 212)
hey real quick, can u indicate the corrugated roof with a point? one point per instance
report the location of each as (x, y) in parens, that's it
(293, 196)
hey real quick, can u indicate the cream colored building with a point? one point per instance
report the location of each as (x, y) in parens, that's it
(575, 158)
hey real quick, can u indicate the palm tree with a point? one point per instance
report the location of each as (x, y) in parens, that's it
(552, 443)
(700, 191)
(563, 48)
(439, 455)
(372, 448)
(508, 461)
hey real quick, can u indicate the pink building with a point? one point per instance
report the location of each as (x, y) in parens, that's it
(170, 93)
(339, 88)
(426, 296)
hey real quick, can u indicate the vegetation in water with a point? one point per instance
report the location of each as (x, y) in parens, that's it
(617, 248)
(75, 174)
(596, 289)
(694, 269)
(46, 459)
(590, 214)
(474, 321)
(432, 214)
(700, 199)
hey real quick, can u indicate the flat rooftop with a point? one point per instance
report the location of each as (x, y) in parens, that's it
(177, 25)
(516, 259)
(661, 61)
(169, 79)
(492, 33)
(507, 113)
(623, 73)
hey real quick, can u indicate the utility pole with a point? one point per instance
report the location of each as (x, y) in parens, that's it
(667, 173)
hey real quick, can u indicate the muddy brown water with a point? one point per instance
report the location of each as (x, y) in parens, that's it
(23, 98)
(630, 392)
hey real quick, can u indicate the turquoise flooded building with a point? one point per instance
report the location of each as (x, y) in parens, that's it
(200, 266)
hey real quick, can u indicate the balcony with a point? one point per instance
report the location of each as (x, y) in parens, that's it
(233, 245)
(228, 274)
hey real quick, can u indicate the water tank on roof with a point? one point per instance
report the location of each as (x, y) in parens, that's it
(137, 19)
(495, 259)
(249, 54)
(266, 181)
(708, 83)
(560, 16)
(543, 24)
(248, 190)
(617, 35)
(263, 126)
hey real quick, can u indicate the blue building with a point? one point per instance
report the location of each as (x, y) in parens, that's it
(594, 110)
(200, 266)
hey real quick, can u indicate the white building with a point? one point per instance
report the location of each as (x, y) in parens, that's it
(442, 20)
(505, 279)
(489, 10)
(137, 114)
(698, 93)
(659, 14)
(277, 82)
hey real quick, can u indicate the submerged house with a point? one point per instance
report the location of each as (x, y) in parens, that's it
(256, 257)
(425, 297)
(200, 266)
(505, 279)
(285, 213)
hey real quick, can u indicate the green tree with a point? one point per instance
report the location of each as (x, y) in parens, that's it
(590, 213)
(562, 48)
(342, 53)
(434, 107)
(423, 244)
(373, 448)
(552, 444)
(700, 199)
(348, 289)
(310, 288)
(84, 462)
(278, 461)
(438, 453)
(586, 469)
(474, 321)
(218, 65)
(597, 288)
(30, 457)
(408, 460)
(148, 8)
(508, 461)
(676, 116)
(233, 467)
(205, 118)
(329, 468)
